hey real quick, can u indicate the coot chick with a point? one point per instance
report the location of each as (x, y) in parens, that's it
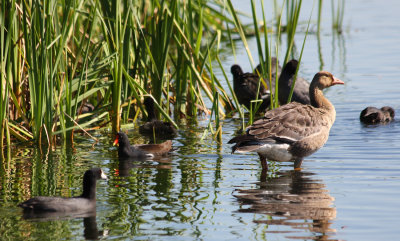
(125, 149)
(373, 115)
(153, 126)
(301, 88)
(83, 203)
(156, 149)
(245, 86)
(292, 131)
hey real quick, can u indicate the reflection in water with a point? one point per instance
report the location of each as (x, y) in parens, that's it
(49, 216)
(126, 164)
(292, 199)
(341, 45)
(321, 59)
(90, 231)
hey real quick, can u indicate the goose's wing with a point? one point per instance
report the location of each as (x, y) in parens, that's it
(289, 123)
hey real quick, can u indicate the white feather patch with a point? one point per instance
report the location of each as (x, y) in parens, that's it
(275, 152)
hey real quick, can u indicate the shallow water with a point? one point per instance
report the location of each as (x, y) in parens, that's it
(347, 190)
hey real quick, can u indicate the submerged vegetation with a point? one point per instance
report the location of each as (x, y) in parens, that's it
(58, 56)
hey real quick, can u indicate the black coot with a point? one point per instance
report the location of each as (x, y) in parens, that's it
(83, 203)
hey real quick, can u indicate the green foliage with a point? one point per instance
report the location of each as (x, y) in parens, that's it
(58, 55)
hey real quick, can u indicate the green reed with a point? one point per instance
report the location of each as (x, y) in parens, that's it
(58, 55)
(337, 15)
(264, 54)
(293, 8)
(264, 48)
(299, 61)
(319, 16)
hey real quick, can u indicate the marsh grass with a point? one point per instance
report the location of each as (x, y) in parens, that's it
(337, 15)
(264, 48)
(57, 55)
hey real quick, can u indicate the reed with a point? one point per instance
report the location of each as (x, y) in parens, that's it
(337, 15)
(301, 55)
(57, 55)
(319, 16)
(293, 8)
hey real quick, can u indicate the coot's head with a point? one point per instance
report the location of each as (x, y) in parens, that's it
(236, 70)
(121, 139)
(149, 105)
(95, 173)
(148, 102)
(89, 182)
(290, 67)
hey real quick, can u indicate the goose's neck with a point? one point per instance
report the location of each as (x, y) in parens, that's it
(318, 100)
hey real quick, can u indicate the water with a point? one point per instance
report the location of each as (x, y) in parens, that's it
(347, 190)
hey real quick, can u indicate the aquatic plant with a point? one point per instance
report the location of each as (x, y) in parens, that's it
(59, 56)
(337, 15)
(293, 8)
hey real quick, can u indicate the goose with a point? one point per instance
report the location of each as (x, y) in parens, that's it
(292, 131)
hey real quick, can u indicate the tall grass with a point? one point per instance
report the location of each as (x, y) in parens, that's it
(337, 15)
(293, 8)
(57, 55)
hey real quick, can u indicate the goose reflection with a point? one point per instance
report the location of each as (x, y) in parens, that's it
(293, 199)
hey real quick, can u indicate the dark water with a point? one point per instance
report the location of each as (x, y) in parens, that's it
(348, 190)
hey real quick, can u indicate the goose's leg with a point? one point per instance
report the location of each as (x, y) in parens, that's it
(297, 163)
(264, 163)
(263, 177)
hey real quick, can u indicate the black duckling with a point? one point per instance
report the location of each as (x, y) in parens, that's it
(153, 126)
(245, 86)
(373, 115)
(301, 88)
